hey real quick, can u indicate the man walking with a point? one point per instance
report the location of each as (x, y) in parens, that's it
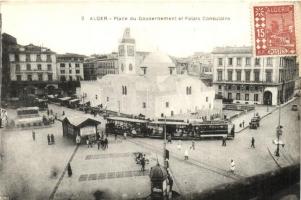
(78, 140)
(48, 139)
(232, 167)
(142, 161)
(52, 139)
(186, 154)
(224, 142)
(192, 145)
(253, 142)
(69, 170)
(33, 136)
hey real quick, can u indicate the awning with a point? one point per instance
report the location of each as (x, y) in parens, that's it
(64, 98)
(74, 100)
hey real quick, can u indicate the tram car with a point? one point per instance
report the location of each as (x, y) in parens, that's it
(176, 129)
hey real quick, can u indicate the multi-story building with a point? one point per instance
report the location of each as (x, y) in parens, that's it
(70, 67)
(240, 76)
(32, 70)
(201, 63)
(107, 64)
(90, 69)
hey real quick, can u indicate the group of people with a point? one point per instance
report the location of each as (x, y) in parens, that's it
(140, 159)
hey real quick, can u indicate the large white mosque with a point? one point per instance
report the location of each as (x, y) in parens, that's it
(153, 88)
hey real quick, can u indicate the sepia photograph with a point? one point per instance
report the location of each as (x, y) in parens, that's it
(150, 100)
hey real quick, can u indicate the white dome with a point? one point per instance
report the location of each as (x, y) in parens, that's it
(157, 64)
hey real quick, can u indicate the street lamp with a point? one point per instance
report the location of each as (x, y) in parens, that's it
(164, 143)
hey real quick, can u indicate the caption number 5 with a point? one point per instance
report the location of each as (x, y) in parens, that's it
(260, 32)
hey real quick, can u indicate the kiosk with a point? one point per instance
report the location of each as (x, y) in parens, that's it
(159, 182)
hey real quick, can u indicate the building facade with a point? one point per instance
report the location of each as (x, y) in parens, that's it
(32, 70)
(107, 64)
(243, 78)
(155, 90)
(70, 67)
(90, 69)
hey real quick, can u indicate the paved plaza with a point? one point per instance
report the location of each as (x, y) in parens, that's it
(35, 170)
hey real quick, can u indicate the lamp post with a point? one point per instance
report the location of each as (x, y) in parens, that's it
(279, 127)
(164, 143)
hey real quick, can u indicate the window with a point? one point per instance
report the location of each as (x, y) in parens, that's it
(121, 50)
(256, 76)
(238, 75)
(49, 67)
(256, 88)
(229, 95)
(76, 65)
(269, 61)
(257, 61)
(237, 96)
(28, 67)
(78, 78)
(18, 77)
(206, 99)
(230, 61)
(124, 90)
(39, 67)
(238, 61)
(144, 70)
(230, 75)
(49, 77)
(17, 58)
(48, 58)
(167, 104)
(63, 78)
(143, 105)
(122, 67)
(248, 61)
(39, 58)
(40, 77)
(188, 90)
(108, 99)
(220, 75)
(130, 67)
(130, 50)
(29, 77)
(70, 78)
(247, 87)
(171, 113)
(255, 97)
(238, 87)
(70, 71)
(268, 76)
(229, 87)
(18, 67)
(77, 71)
(27, 58)
(62, 64)
(219, 87)
(62, 71)
(246, 97)
(248, 75)
(70, 65)
(220, 61)
(220, 94)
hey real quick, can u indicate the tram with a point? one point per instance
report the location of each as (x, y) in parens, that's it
(133, 127)
(176, 129)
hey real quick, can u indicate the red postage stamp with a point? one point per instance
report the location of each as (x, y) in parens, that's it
(274, 30)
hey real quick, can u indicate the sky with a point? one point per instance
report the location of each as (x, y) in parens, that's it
(66, 27)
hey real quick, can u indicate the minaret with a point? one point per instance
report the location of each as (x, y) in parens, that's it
(127, 53)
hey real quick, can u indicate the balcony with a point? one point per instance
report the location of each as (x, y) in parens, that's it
(247, 82)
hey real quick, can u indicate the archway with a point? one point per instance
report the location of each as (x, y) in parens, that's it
(267, 98)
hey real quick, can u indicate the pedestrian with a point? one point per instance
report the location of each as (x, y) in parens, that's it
(69, 170)
(115, 135)
(78, 139)
(52, 139)
(169, 139)
(33, 136)
(124, 135)
(232, 167)
(224, 141)
(243, 123)
(186, 154)
(88, 142)
(106, 143)
(48, 139)
(63, 112)
(98, 144)
(142, 162)
(253, 142)
(192, 145)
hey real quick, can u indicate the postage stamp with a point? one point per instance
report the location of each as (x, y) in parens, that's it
(274, 30)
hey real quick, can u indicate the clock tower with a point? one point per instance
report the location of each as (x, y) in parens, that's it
(127, 53)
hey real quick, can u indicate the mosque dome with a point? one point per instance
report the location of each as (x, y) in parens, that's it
(158, 64)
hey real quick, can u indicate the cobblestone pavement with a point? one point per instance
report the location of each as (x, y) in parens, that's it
(31, 169)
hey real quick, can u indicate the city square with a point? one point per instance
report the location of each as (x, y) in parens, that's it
(128, 120)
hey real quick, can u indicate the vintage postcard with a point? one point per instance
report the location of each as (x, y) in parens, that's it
(150, 100)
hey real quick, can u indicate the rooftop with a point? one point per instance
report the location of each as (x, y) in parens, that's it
(230, 50)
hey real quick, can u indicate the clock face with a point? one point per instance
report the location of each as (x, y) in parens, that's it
(121, 50)
(130, 50)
